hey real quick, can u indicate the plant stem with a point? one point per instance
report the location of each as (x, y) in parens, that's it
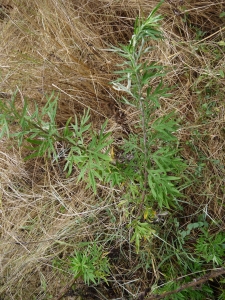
(141, 104)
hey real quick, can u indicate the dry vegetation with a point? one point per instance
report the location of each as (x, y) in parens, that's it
(61, 45)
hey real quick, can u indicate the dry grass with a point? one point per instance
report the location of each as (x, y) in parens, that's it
(62, 46)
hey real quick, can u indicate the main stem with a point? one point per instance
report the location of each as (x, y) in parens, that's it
(140, 101)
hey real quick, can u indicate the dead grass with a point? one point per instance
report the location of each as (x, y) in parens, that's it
(62, 46)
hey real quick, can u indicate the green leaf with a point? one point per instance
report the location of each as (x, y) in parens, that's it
(222, 14)
(4, 126)
(221, 43)
(66, 131)
(221, 72)
(104, 157)
(164, 128)
(141, 231)
(35, 142)
(83, 171)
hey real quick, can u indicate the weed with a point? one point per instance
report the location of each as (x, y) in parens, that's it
(211, 247)
(91, 264)
(155, 170)
(40, 130)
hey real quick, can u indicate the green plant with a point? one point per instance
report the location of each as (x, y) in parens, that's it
(91, 264)
(142, 230)
(211, 248)
(39, 134)
(155, 168)
(155, 161)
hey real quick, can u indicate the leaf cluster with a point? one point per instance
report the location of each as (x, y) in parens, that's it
(156, 167)
(211, 247)
(41, 134)
(91, 264)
